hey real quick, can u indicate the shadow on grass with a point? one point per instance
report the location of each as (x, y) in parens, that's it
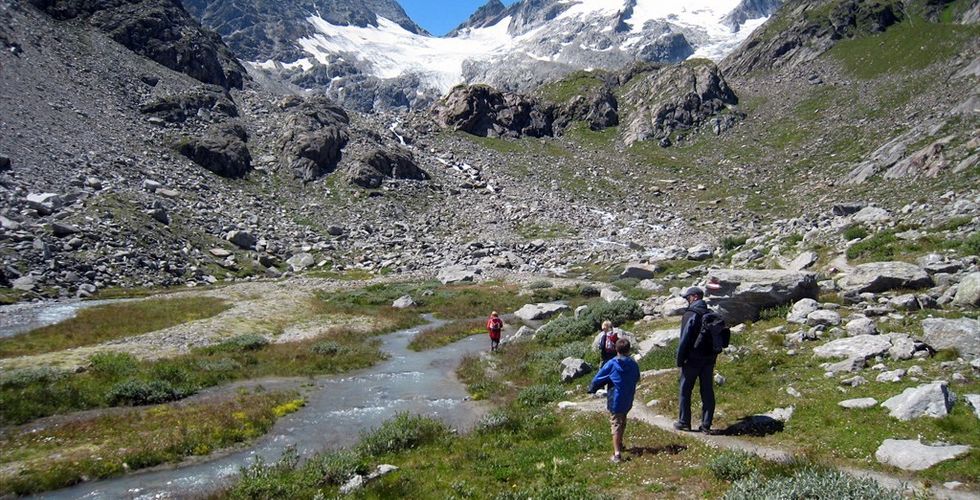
(669, 449)
(754, 425)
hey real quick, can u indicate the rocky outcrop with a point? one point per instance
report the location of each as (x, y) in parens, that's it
(929, 400)
(878, 277)
(678, 100)
(221, 150)
(160, 30)
(484, 111)
(535, 312)
(382, 164)
(177, 108)
(597, 108)
(857, 347)
(741, 294)
(312, 137)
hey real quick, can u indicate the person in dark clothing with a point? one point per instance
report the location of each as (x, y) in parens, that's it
(696, 365)
(621, 373)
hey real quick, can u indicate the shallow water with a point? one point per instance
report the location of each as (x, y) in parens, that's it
(338, 410)
(20, 318)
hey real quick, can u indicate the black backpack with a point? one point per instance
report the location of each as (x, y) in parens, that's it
(714, 335)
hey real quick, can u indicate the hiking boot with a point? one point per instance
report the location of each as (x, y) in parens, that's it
(616, 459)
(707, 430)
(682, 427)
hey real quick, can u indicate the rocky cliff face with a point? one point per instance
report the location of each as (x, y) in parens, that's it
(158, 29)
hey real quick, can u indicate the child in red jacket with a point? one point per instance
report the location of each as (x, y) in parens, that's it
(494, 325)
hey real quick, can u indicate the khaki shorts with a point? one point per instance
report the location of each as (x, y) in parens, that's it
(618, 422)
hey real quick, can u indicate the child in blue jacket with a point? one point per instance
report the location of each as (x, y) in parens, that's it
(621, 374)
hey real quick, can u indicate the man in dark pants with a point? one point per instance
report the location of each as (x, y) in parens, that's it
(695, 365)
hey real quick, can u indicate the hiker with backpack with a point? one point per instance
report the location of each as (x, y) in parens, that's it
(703, 336)
(605, 341)
(494, 326)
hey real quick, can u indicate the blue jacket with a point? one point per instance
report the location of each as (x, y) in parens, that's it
(623, 373)
(690, 327)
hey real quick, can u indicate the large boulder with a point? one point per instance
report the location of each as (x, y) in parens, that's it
(861, 346)
(534, 312)
(598, 108)
(968, 292)
(912, 454)
(573, 368)
(962, 334)
(457, 274)
(740, 294)
(674, 306)
(181, 106)
(877, 277)
(242, 239)
(221, 150)
(381, 164)
(801, 309)
(300, 261)
(639, 271)
(861, 326)
(484, 111)
(929, 400)
(312, 137)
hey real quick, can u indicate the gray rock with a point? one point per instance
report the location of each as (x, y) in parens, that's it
(871, 215)
(858, 404)
(849, 365)
(45, 203)
(545, 310)
(25, 283)
(861, 326)
(580, 310)
(300, 262)
(968, 291)
(854, 381)
(639, 271)
(746, 256)
(4, 164)
(313, 135)
(823, 317)
(242, 239)
(573, 368)
(741, 294)
(930, 400)
(61, 229)
(803, 261)
(221, 150)
(913, 455)
(801, 309)
(974, 401)
(457, 274)
(962, 334)
(903, 346)
(160, 215)
(404, 302)
(674, 306)
(905, 302)
(610, 295)
(650, 286)
(523, 333)
(845, 209)
(891, 376)
(878, 277)
(382, 164)
(10, 225)
(700, 252)
(219, 252)
(861, 346)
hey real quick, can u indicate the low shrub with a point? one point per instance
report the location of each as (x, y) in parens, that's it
(778, 312)
(567, 328)
(539, 395)
(854, 232)
(113, 364)
(219, 365)
(540, 284)
(403, 432)
(249, 342)
(327, 348)
(733, 242)
(810, 483)
(732, 465)
(339, 466)
(588, 291)
(496, 420)
(34, 375)
(971, 246)
(136, 392)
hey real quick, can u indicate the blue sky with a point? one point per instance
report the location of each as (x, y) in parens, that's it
(440, 16)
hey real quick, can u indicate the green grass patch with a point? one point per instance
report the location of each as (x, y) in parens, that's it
(908, 46)
(103, 323)
(885, 245)
(97, 447)
(118, 379)
(574, 84)
(446, 334)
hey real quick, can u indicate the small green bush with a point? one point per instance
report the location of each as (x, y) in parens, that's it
(854, 232)
(219, 365)
(247, 342)
(34, 375)
(339, 466)
(496, 420)
(402, 433)
(113, 364)
(972, 245)
(880, 246)
(540, 284)
(588, 291)
(733, 242)
(327, 348)
(619, 312)
(732, 465)
(135, 392)
(564, 329)
(538, 395)
(777, 312)
(810, 483)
